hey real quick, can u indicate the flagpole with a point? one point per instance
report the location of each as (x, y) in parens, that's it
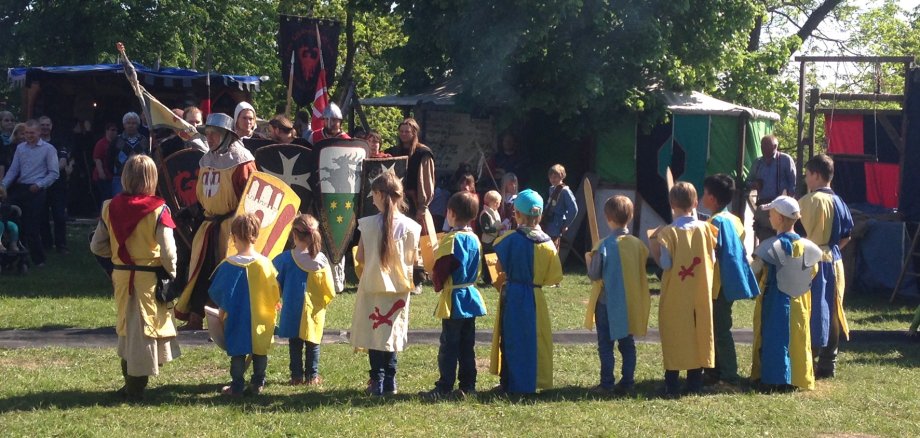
(131, 74)
(287, 108)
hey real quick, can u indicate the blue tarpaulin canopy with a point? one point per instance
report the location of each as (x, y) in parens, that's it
(166, 76)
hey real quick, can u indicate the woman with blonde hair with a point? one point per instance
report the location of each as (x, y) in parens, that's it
(135, 230)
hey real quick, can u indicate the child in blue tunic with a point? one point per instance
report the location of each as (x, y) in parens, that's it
(307, 288)
(782, 357)
(456, 268)
(246, 290)
(522, 342)
(621, 307)
(732, 280)
(827, 222)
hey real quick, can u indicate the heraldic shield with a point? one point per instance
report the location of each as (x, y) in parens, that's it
(289, 163)
(338, 178)
(371, 170)
(178, 176)
(276, 205)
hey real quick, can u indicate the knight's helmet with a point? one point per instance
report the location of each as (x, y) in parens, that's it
(225, 124)
(332, 111)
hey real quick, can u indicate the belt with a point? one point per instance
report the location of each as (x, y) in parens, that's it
(138, 268)
(461, 286)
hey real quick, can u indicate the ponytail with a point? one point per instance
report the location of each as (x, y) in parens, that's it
(388, 186)
(306, 228)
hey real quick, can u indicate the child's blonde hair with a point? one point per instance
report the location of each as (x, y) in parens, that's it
(618, 209)
(682, 195)
(306, 228)
(388, 185)
(491, 196)
(139, 176)
(245, 227)
(524, 220)
(557, 169)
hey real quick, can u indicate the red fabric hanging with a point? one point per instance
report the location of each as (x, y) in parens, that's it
(844, 134)
(882, 184)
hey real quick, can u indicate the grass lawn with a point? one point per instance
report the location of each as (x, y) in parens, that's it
(72, 291)
(54, 391)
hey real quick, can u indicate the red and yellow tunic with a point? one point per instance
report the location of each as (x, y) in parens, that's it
(685, 307)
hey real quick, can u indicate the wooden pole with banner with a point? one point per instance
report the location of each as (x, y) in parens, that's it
(290, 90)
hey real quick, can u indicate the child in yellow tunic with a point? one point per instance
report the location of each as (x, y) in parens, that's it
(306, 290)
(827, 222)
(387, 251)
(782, 358)
(620, 307)
(245, 288)
(456, 268)
(135, 231)
(685, 250)
(522, 342)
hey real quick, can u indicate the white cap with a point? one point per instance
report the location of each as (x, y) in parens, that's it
(784, 205)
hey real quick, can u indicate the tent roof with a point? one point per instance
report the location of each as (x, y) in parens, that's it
(21, 76)
(698, 103)
(678, 103)
(442, 95)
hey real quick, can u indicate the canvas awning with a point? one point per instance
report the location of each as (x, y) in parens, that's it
(165, 77)
(695, 102)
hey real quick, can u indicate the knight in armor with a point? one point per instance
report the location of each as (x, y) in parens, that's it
(332, 117)
(222, 177)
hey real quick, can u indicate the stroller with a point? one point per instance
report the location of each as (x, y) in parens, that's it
(15, 256)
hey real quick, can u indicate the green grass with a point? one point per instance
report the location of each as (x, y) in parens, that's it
(54, 391)
(72, 291)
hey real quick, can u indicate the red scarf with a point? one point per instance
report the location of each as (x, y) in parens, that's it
(128, 210)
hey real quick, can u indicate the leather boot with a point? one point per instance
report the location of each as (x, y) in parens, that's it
(195, 322)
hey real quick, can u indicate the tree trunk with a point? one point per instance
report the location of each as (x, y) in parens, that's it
(816, 17)
(754, 36)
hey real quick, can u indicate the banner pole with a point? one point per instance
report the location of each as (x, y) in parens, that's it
(290, 88)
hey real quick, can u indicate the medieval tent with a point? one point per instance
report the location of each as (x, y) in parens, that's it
(81, 99)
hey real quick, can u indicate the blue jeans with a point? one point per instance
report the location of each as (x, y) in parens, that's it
(238, 369)
(627, 347)
(383, 370)
(299, 357)
(458, 339)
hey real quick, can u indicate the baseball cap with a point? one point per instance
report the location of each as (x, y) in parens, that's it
(529, 203)
(784, 205)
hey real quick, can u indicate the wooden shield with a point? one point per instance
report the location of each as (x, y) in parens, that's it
(276, 204)
(338, 182)
(178, 177)
(291, 164)
(371, 170)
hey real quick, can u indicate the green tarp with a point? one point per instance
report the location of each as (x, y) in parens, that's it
(615, 159)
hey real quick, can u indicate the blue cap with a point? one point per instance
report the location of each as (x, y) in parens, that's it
(529, 203)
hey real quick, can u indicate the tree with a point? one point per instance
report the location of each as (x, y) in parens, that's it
(583, 61)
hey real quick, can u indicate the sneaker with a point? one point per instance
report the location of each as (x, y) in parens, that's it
(463, 394)
(373, 388)
(417, 290)
(601, 390)
(624, 390)
(256, 388)
(434, 395)
(229, 392)
(316, 381)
